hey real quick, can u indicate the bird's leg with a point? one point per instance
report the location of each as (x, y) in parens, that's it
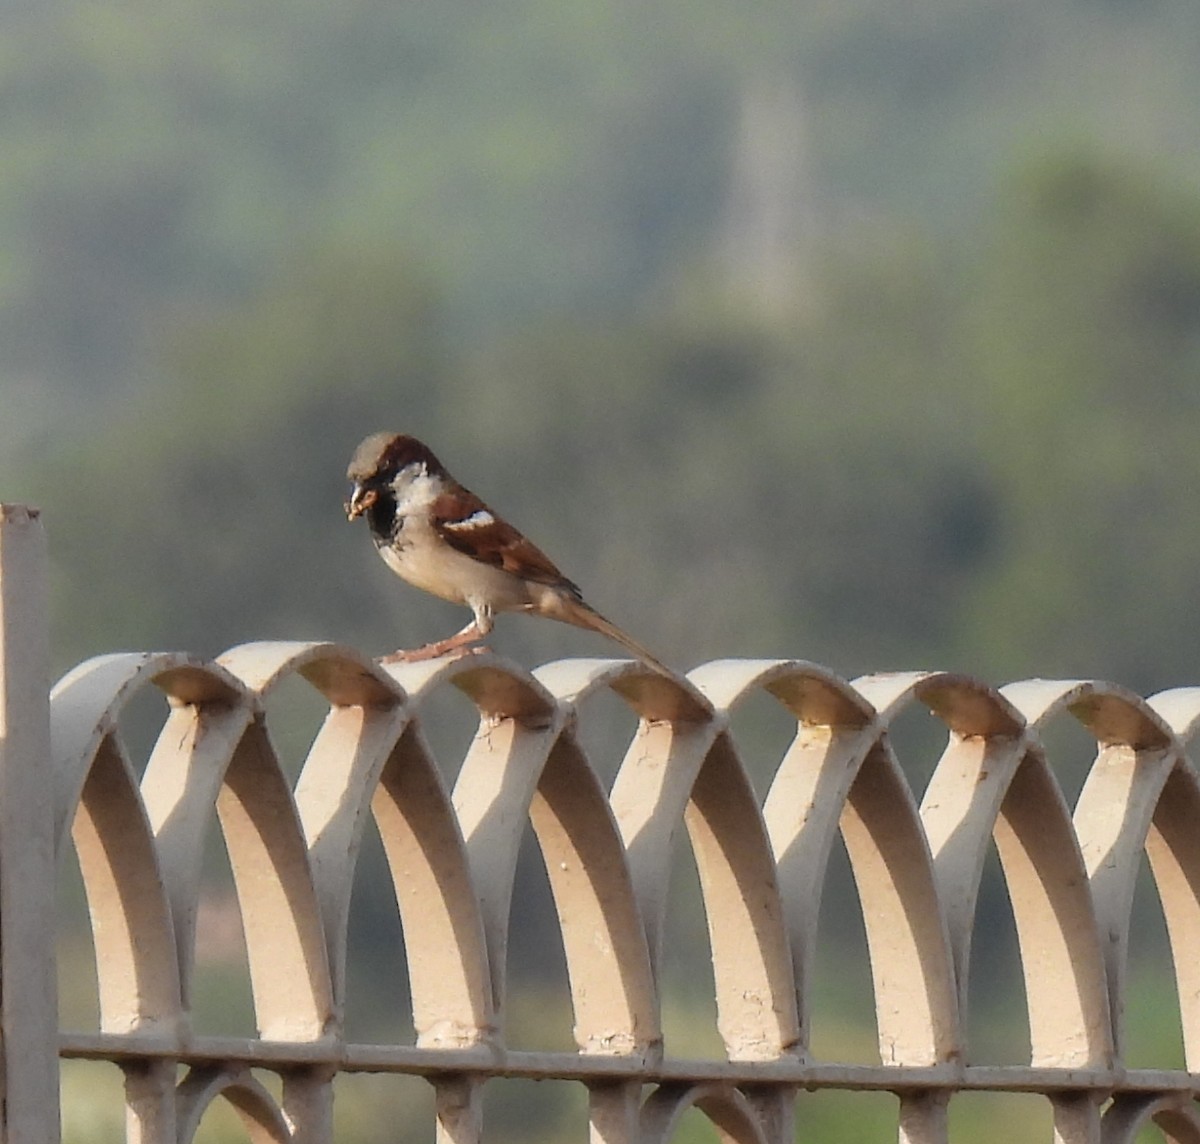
(469, 635)
(475, 631)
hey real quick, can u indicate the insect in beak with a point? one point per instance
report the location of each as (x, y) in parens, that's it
(360, 500)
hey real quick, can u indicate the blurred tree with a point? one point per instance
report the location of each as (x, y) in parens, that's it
(821, 493)
(557, 159)
(1085, 336)
(212, 514)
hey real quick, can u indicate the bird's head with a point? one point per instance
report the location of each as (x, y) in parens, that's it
(381, 464)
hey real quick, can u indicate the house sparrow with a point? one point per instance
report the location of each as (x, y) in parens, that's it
(440, 537)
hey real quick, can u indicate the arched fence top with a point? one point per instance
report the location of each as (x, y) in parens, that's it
(918, 901)
(1179, 708)
(651, 696)
(342, 675)
(815, 695)
(1110, 713)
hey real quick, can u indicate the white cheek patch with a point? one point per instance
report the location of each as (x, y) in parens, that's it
(413, 487)
(480, 519)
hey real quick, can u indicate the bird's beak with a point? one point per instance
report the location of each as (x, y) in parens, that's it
(360, 500)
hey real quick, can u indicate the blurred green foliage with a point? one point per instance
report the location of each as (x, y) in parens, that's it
(961, 434)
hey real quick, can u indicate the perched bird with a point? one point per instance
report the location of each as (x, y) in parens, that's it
(438, 536)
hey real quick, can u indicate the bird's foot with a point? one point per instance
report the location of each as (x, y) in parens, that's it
(432, 651)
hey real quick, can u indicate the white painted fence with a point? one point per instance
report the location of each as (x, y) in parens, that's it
(66, 782)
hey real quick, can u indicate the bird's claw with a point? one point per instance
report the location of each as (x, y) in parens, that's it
(431, 651)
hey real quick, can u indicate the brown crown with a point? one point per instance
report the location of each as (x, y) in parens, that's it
(383, 453)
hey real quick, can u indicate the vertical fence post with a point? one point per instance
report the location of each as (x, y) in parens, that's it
(923, 1117)
(1077, 1117)
(613, 1111)
(459, 1102)
(28, 986)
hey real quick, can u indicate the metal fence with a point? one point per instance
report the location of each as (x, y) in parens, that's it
(66, 783)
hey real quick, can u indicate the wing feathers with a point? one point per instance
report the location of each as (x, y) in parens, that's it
(467, 524)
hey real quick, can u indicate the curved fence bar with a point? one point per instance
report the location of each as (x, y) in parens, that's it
(139, 835)
(263, 1119)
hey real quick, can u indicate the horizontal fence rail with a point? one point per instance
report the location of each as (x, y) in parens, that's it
(70, 787)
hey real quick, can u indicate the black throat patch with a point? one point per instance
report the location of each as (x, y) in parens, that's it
(381, 516)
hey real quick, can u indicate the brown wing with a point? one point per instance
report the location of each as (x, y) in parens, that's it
(467, 524)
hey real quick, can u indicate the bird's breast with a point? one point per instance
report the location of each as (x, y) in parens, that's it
(418, 555)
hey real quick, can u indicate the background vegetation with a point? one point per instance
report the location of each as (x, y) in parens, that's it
(849, 332)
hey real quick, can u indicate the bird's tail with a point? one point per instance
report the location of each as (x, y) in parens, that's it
(582, 615)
